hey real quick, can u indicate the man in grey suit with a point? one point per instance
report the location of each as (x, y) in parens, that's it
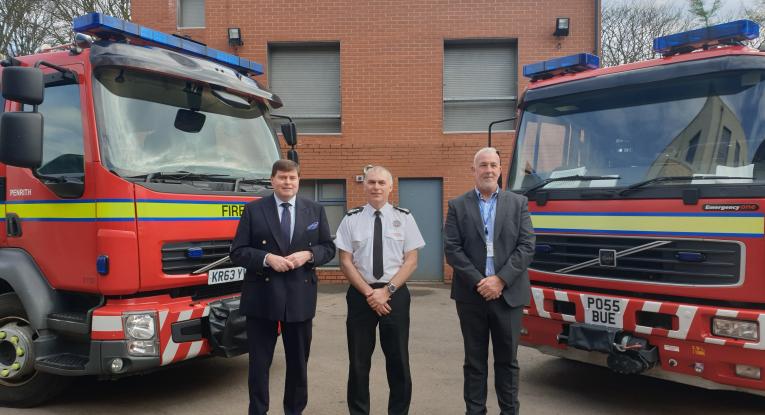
(489, 242)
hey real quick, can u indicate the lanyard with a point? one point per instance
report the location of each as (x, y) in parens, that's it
(486, 217)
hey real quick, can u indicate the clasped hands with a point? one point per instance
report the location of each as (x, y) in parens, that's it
(490, 287)
(378, 301)
(291, 261)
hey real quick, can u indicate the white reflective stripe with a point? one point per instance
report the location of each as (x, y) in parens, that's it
(194, 349)
(711, 340)
(651, 306)
(726, 313)
(172, 347)
(162, 318)
(685, 314)
(761, 344)
(539, 301)
(107, 323)
(184, 315)
(643, 329)
(206, 312)
(169, 352)
(561, 295)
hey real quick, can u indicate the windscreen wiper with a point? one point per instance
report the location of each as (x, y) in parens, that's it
(674, 179)
(573, 178)
(261, 181)
(178, 175)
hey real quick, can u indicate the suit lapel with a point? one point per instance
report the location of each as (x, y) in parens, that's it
(272, 219)
(474, 212)
(301, 219)
(503, 203)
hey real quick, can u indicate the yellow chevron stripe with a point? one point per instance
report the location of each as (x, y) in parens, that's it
(675, 224)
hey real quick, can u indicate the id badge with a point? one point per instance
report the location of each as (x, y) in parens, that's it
(489, 249)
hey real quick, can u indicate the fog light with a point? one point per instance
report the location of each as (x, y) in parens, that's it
(524, 331)
(698, 367)
(737, 329)
(116, 365)
(139, 326)
(142, 348)
(746, 371)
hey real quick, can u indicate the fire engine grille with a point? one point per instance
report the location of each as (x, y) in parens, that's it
(669, 261)
(185, 257)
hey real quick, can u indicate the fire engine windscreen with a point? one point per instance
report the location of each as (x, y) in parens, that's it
(139, 134)
(707, 125)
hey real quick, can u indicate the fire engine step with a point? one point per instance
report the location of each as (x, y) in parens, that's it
(69, 323)
(64, 361)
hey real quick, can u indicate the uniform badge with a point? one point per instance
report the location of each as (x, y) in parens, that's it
(396, 223)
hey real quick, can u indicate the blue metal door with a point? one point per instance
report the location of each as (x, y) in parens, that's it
(424, 198)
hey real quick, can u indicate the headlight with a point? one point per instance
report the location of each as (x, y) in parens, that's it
(737, 329)
(142, 348)
(140, 326)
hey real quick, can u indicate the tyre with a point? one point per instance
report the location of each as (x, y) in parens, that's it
(21, 386)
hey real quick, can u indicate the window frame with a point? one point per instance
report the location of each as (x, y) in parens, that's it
(317, 184)
(512, 44)
(179, 13)
(297, 117)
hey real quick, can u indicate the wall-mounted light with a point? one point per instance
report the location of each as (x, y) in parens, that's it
(235, 36)
(561, 26)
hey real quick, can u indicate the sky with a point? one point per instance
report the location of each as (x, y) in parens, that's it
(729, 7)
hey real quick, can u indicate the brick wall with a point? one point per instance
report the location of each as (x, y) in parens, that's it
(391, 57)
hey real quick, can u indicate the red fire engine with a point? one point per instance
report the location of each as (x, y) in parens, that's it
(646, 185)
(125, 161)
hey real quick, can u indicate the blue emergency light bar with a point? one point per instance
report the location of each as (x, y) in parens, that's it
(103, 26)
(552, 67)
(688, 41)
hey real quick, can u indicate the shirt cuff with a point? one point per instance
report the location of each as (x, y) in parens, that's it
(265, 264)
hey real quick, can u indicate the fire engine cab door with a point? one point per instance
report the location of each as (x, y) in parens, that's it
(54, 204)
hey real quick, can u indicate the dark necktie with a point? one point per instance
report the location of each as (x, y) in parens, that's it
(377, 249)
(286, 221)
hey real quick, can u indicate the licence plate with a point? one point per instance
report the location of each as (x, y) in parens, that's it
(604, 311)
(224, 275)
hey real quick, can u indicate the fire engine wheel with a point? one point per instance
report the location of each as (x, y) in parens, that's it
(20, 384)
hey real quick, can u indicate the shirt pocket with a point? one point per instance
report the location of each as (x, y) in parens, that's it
(360, 241)
(394, 240)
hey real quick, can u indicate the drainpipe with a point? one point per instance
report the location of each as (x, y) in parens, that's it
(597, 27)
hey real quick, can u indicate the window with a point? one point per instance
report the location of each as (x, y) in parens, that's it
(331, 195)
(63, 145)
(191, 13)
(307, 78)
(480, 84)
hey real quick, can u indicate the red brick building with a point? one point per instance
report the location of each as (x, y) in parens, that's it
(410, 85)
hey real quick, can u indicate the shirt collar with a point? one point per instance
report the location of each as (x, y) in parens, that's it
(279, 201)
(493, 195)
(371, 210)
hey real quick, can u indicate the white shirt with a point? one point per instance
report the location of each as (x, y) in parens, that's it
(400, 235)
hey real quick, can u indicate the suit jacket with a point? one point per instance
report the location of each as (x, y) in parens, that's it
(465, 247)
(285, 296)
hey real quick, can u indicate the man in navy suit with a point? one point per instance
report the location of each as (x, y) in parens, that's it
(280, 240)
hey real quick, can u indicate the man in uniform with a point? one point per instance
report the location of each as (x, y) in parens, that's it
(378, 252)
(489, 241)
(281, 239)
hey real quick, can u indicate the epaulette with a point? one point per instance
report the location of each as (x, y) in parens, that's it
(400, 209)
(354, 211)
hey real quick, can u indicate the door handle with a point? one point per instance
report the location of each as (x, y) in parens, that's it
(13, 225)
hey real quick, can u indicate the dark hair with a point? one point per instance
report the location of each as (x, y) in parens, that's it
(284, 165)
